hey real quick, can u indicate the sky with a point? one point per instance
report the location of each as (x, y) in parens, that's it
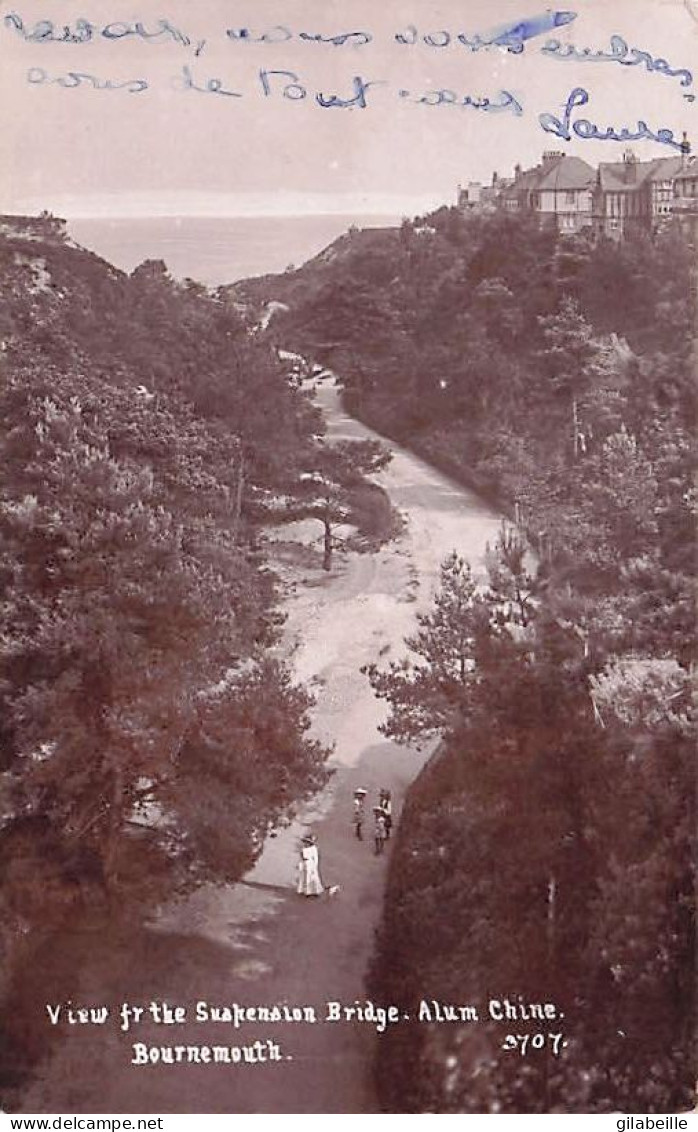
(178, 148)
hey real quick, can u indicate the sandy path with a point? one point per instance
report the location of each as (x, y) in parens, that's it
(257, 942)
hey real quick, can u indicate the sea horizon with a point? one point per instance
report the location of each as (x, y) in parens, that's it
(218, 250)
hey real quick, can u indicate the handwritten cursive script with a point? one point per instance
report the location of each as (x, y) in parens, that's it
(45, 31)
(619, 52)
(37, 76)
(566, 128)
(511, 36)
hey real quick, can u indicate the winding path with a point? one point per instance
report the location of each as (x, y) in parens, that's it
(257, 942)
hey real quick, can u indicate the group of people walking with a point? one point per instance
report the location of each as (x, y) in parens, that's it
(382, 817)
(308, 880)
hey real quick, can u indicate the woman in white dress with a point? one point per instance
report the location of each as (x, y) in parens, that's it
(309, 883)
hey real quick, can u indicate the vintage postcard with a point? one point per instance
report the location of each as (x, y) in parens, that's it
(347, 546)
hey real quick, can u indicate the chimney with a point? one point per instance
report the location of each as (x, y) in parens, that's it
(551, 157)
(630, 170)
(685, 150)
(517, 172)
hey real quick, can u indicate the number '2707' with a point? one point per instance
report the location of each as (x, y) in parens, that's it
(525, 1043)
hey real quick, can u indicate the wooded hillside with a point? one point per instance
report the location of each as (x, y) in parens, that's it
(547, 851)
(149, 738)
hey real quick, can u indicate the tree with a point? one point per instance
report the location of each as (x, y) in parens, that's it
(512, 586)
(619, 503)
(328, 487)
(242, 768)
(427, 696)
(568, 355)
(126, 599)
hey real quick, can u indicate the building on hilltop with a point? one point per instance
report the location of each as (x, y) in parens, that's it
(685, 204)
(516, 196)
(564, 191)
(634, 196)
(558, 190)
(476, 197)
(619, 200)
(470, 197)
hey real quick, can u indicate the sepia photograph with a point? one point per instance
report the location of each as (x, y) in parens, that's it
(347, 559)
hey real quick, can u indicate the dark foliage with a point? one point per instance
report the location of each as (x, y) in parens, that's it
(546, 850)
(148, 741)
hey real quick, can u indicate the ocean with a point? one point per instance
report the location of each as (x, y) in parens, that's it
(215, 251)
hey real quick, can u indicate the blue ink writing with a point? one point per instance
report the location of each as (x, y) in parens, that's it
(582, 128)
(355, 38)
(356, 100)
(45, 31)
(278, 34)
(512, 36)
(186, 81)
(505, 101)
(282, 34)
(37, 76)
(619, 52)
(295, 91)
(291, 90)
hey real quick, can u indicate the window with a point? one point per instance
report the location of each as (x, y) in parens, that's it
(570, 197)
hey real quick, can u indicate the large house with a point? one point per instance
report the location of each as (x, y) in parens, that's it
(558, 190)
(563, 192)
(634, 196)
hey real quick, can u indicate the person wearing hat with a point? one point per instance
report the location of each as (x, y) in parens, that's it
(359, 799)
(309, 883)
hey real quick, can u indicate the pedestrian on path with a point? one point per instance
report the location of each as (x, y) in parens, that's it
(359, 805)
(309, 883)
(386, 805)
(380, 831)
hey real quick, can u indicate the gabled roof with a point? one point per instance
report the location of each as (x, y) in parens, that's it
(691, 170)
(528, 179)
(614, 176)
(665, 168)
(567, 173)
(525, 183)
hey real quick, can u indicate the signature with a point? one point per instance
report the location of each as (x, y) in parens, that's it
(619, 52)
(582, 128)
